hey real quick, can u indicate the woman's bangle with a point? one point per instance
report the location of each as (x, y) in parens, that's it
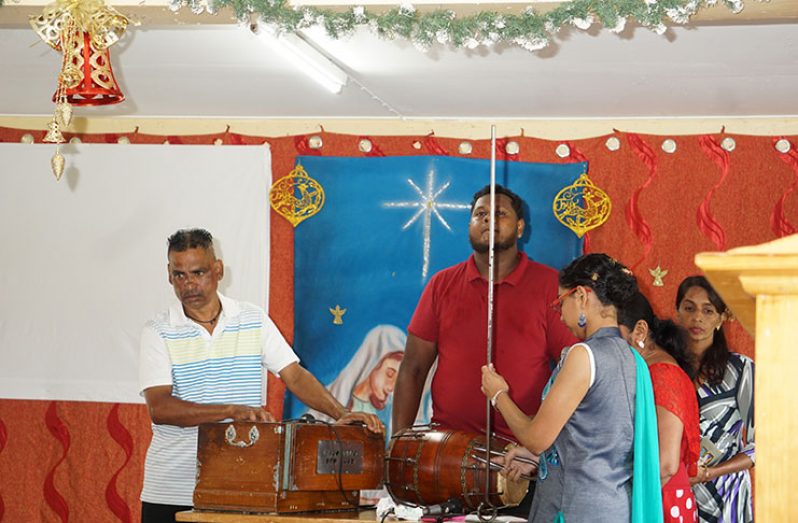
(496, 396)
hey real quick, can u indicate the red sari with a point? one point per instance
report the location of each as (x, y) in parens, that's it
(675, 392)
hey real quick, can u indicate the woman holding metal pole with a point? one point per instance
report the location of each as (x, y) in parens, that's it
(596, 427)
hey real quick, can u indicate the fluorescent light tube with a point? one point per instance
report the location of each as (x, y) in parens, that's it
(306, 57)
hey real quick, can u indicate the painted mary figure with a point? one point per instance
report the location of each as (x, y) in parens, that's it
(366, 383)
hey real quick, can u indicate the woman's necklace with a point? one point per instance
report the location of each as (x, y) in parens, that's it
(648, 354)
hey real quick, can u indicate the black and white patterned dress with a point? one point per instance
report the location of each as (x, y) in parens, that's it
(727, 422)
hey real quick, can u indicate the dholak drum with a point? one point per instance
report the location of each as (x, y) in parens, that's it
(426, 467)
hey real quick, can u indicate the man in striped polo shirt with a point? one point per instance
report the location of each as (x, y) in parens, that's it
(203, 361)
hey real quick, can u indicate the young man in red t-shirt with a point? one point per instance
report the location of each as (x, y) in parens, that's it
(450, 323)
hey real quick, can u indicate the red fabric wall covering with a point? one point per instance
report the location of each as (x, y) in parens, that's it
(61, 461)
(666, 208)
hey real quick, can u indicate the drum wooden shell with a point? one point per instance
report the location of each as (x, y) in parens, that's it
(427, 467)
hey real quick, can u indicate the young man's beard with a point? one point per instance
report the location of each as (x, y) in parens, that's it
(482, 248)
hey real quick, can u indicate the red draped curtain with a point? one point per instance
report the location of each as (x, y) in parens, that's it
(62, 461)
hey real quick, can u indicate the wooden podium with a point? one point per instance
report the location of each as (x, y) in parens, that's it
(760, 286)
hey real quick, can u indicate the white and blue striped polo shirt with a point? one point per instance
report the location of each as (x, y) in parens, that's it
(224, 368)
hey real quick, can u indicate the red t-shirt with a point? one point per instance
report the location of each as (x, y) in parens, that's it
(528, 337)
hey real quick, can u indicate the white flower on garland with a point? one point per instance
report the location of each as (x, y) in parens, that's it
(197, 7)
(583, 23)
(360, 14)
(620, 25)
(535, 44)
(308, 17)
(680, 16)
(407, 9)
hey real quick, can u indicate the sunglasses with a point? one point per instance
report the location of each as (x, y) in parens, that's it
(557, 303)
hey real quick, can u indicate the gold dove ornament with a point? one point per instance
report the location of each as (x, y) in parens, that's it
(582, 206)
(296, 197)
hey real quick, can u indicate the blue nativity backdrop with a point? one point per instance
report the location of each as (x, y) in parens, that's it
(386, 226)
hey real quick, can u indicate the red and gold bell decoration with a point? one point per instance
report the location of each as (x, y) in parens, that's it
(87, 74)
(83, 30)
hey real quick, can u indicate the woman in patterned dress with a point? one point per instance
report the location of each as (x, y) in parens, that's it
(662, 345)
(725, 383)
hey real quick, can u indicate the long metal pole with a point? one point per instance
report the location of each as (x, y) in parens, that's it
(491, 243)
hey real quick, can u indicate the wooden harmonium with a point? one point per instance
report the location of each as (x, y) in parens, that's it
(286, 467)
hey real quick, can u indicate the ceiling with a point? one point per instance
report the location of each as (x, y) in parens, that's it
(727, 68)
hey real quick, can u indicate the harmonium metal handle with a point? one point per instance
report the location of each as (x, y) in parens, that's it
(230, 437)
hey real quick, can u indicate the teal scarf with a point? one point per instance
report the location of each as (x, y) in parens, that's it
(646, 488)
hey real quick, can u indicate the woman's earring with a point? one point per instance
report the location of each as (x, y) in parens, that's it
(641, 344)
(582, 321)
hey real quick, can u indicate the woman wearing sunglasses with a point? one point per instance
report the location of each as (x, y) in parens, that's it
(596, 427)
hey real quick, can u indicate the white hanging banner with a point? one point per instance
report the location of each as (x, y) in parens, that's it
(84, 259)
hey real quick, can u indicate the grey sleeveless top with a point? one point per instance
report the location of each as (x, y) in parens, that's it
(587, 473)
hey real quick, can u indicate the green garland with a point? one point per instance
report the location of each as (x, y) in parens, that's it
(530, 29)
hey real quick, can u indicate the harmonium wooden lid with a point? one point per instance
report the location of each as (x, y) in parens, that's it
(286, 467)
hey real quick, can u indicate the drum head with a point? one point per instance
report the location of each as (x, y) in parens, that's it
(512, 492)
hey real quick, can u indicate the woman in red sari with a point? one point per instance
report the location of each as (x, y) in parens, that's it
(662, 345)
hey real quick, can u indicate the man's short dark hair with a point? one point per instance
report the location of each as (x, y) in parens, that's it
(515, 201)
(186, 239)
